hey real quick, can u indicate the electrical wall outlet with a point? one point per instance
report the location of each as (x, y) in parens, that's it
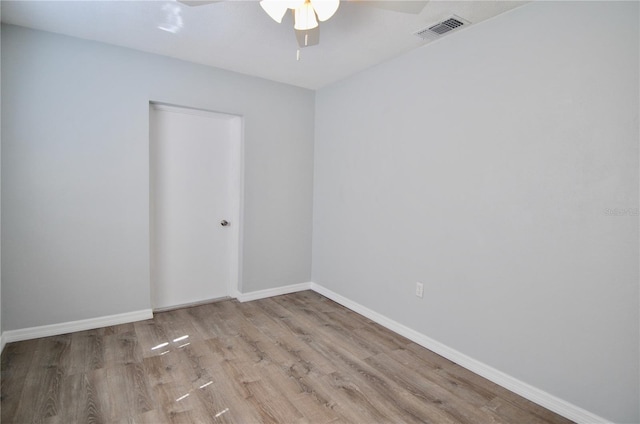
(419, 290)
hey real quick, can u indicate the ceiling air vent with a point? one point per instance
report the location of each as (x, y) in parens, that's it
(441, 28)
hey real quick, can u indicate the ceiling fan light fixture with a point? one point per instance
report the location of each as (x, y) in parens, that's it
(275, 8)
(325, 9)
(305, 17)
(293, 4)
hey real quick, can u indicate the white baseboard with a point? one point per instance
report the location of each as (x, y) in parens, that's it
(277, 291)
(525, 390)
(69, 327)
(3, 341)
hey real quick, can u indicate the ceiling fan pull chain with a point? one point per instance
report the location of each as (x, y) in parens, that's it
(298, 55)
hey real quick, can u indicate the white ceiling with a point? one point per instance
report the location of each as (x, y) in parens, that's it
(240, 36)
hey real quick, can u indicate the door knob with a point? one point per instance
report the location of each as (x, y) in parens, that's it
(224, 223)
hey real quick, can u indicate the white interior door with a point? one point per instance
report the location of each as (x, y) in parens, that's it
(194, 165)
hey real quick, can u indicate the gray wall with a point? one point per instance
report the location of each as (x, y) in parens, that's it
(75, 174)
(484, 165)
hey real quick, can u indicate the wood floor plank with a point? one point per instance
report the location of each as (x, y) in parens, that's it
(511, 413)
(235, 406)
(149, 417)
(473, 394)
(215, 403)
(171, 400)
(297, 349)
(116, 329)
(12, 385)
(86, 352)
(121, 349)
(16, 362)
(458, 376)
(272, 406)
(220, 348)
(151, 337)
(310, 327)
(297, 358)
(53, 352)
(78, 402)
(123, 390)
(206, 323)
(375, 388)
(225, 317)
(454, 404)
(18, 356)
(40, 398)
(178, 327)
(526, 408)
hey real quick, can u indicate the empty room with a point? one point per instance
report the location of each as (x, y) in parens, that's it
(415, 211)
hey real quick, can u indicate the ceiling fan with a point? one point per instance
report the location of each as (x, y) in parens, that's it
(307, 13)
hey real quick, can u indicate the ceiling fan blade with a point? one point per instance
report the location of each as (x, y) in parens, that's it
(309, 37)
(403, 6)
(275, 9)
(198, 2)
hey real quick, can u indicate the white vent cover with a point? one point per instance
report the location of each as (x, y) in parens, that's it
(441, 28)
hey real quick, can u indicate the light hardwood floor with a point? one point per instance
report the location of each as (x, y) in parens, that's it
(298, 358)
